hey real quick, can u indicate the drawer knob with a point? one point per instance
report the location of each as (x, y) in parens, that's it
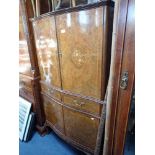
(75, 101)
(82, 103)
(78, 102)
(50, 91)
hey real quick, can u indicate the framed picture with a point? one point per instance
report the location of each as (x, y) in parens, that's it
(24, 110)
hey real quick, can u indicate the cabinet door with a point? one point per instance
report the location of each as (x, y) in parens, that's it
(46, 44)
(81, 128)
(24, 60)
(80, 43)
(54, 113)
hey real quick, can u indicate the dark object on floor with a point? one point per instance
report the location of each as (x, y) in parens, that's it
(30, 127)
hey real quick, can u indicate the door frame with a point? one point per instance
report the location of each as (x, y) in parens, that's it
(123, 59)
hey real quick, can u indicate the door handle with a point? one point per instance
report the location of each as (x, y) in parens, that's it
(124, 80)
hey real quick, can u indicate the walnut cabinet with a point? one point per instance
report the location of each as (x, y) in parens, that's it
(73, 52)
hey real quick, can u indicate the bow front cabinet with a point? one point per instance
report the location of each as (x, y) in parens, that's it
(73, 52)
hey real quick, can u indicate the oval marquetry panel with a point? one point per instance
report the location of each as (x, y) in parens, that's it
(80, 42)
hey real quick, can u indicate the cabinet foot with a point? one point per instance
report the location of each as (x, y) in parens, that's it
(43, 130)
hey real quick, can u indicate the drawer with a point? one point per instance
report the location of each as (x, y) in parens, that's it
(53, 113)
(81, 128)
(28, 95)
(82, 104)
(25, 82)
(51, 92)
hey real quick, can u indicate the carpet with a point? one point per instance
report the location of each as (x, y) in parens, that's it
(50, 144)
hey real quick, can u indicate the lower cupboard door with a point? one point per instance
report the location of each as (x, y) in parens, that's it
(54, 114)
(81, 128)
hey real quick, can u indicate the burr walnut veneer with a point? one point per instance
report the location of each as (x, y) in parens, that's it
(73, 59)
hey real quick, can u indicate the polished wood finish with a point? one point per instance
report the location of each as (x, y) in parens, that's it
(54, 113)
(81, 128)
(82, 104)
(89, 98)
(125, 96)
(73, 101)
(29, 87)
(46, 44)
(73, 128)
(117, 117)
(29, 38)
(72, 108)
(25, 81)
(51, 92)
(80, 56)
(27, 94)
(26, 88)
(29, 8)
(24, 60)
(73, 59)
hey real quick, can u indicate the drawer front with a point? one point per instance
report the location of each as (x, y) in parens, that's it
(53, 113)
(25, 82)
(51, 92)
(82, 104)
(81, 128)
(28, 95)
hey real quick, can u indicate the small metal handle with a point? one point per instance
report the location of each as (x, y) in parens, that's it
(82, 103)
(60, 54)
(78, 103)
(124, 80)
(50, 90)
(75, 101)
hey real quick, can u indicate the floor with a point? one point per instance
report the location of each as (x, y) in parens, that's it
(51, 144)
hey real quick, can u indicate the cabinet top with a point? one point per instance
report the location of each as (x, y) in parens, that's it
(76, 8)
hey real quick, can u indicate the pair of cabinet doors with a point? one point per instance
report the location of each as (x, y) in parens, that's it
(71, 57)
